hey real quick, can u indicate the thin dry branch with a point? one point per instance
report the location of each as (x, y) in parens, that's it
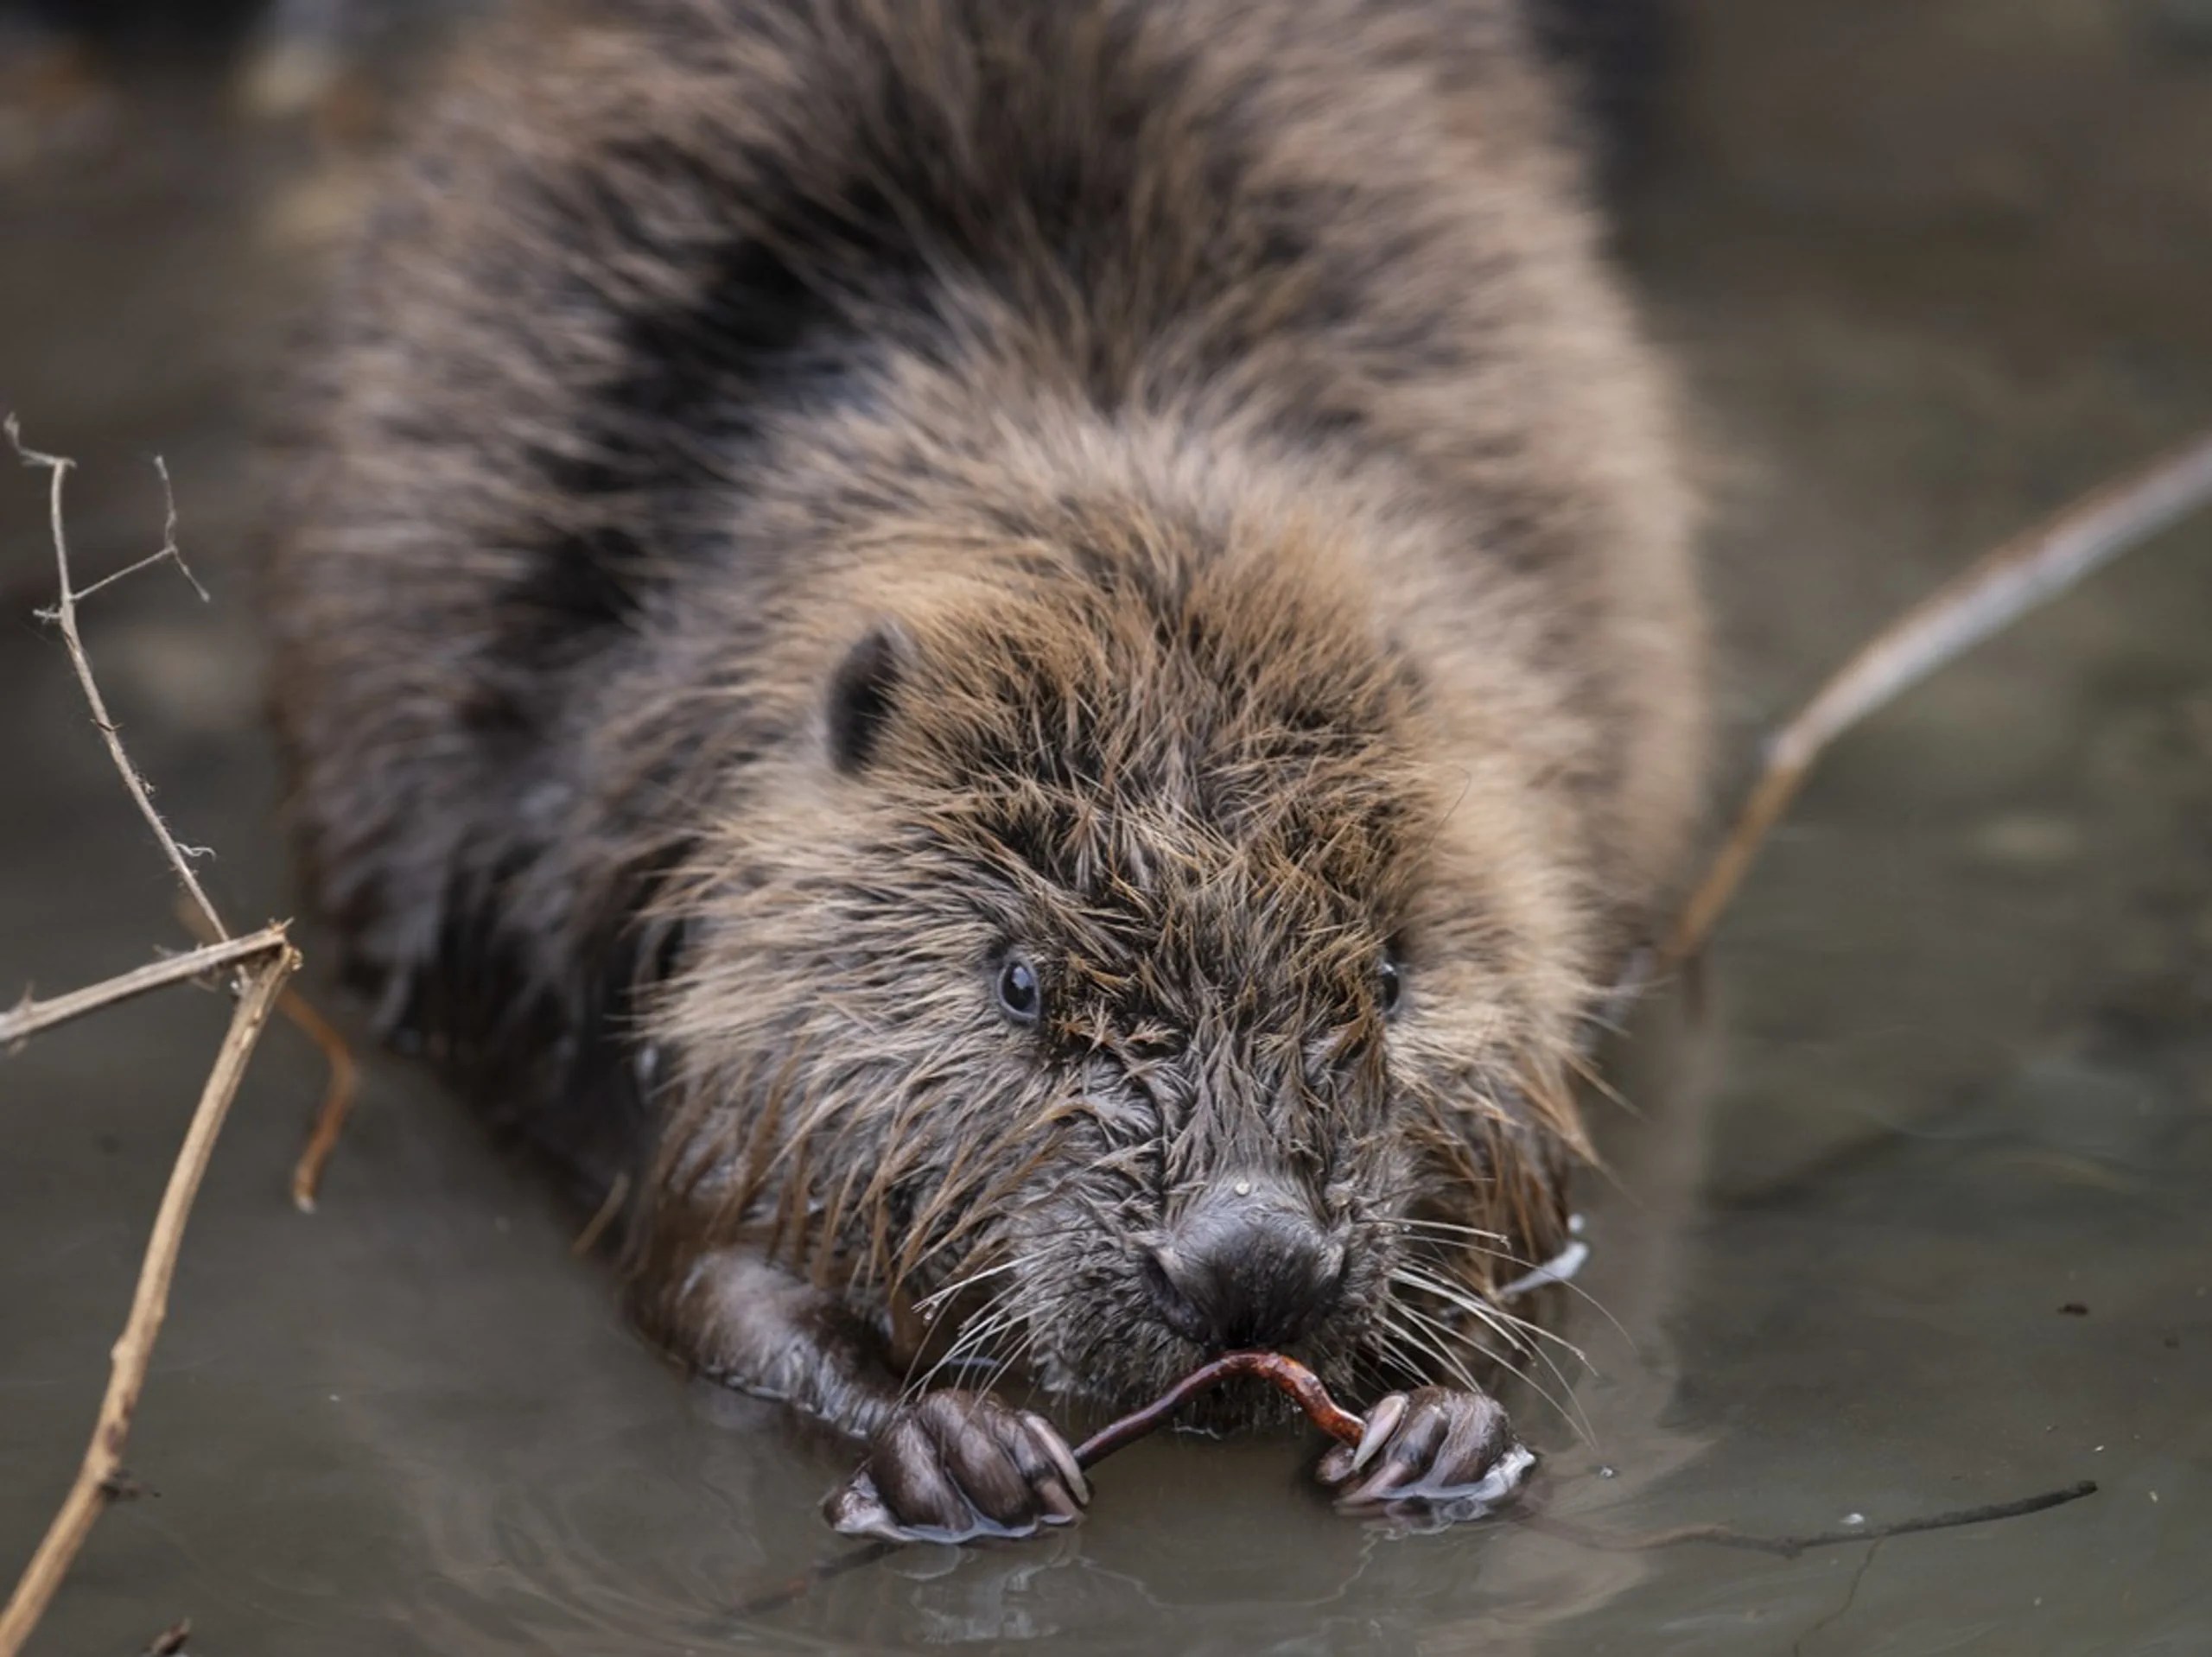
(265, 960)
(169, 552)
(338, 1095)
(338, 1092)
(28, 1017)
(603, 1217)
(135, 1348)
(64, 615)
(1981, 600)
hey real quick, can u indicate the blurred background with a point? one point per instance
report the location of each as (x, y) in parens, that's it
(1930, 268)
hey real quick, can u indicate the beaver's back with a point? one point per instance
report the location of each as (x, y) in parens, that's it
(667, 311)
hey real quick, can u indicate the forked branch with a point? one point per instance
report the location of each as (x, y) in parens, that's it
(64, 613)
(260, 962)
(28, 1017)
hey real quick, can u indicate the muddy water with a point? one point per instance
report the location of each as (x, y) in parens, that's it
(1915, 1216)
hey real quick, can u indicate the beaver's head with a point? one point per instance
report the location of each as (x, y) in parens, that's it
(1136, 963)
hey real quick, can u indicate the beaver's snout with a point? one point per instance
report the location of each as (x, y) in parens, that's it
(1247, 1265)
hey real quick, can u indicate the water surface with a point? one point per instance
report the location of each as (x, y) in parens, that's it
(1913, 1216)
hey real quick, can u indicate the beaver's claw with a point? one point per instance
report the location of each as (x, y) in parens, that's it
(1435, 1453)
(953, 1466)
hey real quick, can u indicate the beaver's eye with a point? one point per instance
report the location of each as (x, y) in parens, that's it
(1020, 998)
(1389, 985)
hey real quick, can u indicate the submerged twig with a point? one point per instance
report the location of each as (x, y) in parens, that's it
(1984, 598)
(1789, 1547)
(263, 962)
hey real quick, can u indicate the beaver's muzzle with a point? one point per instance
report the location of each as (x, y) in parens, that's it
(1247, 1264)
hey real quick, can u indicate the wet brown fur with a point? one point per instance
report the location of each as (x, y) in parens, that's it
(1195, 457)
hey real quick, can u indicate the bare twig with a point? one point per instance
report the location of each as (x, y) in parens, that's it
(127, 1372)
(169, 551)
(603, 1217)
(343, 1078)
(64, 614)
(337, 1097)
(1990, 594)
(28, 1017)
(265, 960)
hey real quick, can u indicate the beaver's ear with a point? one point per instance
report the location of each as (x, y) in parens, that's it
(862, 692)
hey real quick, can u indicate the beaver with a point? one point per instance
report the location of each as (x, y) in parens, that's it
(1024, 662)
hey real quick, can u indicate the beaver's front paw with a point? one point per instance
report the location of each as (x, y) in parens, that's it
(1437, 1453)
(953, 1466)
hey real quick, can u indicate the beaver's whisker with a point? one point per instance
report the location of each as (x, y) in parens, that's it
(1603, 1016)
(1390, 1363)
(1420, 1342)
(975, 1330)
(1506, 1257)
(987, 1321)
(1568, 1410)
(1502, 1316)
(1578, 1419)
(1596, 1080)
(1445, 1225)
(1411, 1365)
(1505, 1323)
(938, 1297)
(1023, 1345)
(966, 1348)
(1573, 1417)
(1440, 1336)
(1382, 1354)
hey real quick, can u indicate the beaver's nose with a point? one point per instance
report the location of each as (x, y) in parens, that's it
(1247, 1265)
